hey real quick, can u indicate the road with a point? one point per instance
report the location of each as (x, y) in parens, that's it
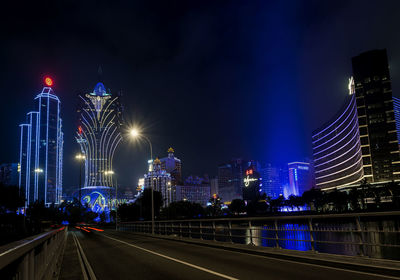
(120, 255)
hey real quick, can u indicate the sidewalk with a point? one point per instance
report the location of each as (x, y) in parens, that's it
(70, 267)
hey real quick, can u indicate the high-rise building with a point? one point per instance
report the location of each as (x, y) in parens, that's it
(300, 178)
(100, 121)
(41, 150)
(230, 178)
(173, 166)
(195, 189)
(361, 142)
(274, 179)
(251, 184)
(160, 180)
(9, 174)
(214, 186)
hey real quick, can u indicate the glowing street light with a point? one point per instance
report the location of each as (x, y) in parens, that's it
(38, 170)
(135, 133)
(81, 158)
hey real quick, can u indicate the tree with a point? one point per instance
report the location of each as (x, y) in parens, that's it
(277, 203)
(338, 200)
(354, 196)
(182, 210)
(10, 199)
(237, 206)
(314, 198)
(394, 190)
(214, 209)
(365, 188)
(145, 202)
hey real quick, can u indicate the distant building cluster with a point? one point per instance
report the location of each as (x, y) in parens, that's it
(359, 144)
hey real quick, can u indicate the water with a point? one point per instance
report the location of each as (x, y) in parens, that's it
(330, 235)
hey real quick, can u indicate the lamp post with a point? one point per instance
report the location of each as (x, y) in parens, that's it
(110, 173)
(80, 158)
(136, 134)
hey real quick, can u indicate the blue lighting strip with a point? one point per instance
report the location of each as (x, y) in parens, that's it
(345, 111)
(340, 170)
(354, 118)
(396, 107)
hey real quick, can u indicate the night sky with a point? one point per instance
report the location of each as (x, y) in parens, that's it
(213, 79)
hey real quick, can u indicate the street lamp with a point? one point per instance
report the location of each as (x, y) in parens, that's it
(135, 134)
(110, 173)
(81, 158)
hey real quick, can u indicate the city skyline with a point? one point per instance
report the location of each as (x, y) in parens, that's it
(253, 102)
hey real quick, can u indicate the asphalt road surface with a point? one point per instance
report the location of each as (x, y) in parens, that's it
(119, 255)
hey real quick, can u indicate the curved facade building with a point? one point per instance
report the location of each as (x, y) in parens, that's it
(99, 135)
(337, 149)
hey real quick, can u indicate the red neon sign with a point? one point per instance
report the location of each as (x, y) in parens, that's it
(48, 81)
(80, 130)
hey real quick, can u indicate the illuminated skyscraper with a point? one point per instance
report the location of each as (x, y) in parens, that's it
(99, 135)
(362, 141)
(173, 166)
(300, 178)
(41, 150)
(159, 180)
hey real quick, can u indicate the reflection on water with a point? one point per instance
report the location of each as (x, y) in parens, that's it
(329, 235)
(334, 237)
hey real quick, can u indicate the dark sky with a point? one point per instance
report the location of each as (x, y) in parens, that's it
(213, 79)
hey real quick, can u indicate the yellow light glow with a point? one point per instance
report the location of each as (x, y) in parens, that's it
(134, 132)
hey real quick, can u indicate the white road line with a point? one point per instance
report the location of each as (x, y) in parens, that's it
(309, 264)
(84, 261)
(173, 259)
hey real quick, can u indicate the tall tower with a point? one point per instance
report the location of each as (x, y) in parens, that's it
(378, 133)
(100, 118)
(41, 150)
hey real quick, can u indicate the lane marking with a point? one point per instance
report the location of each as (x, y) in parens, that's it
(173, 259)
(89, 274)
(301, 263)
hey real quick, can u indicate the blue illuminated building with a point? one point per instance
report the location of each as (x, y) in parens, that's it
(274, 180)
(9, 173)
(98, 134)
(300, 178)
(41, 151)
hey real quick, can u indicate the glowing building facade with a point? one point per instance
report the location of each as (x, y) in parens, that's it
(160, 180)
(41, 150)
(99, 135)
(173, 166)
(300, 178)
(362, 141)
(337, 149)
(100, 121)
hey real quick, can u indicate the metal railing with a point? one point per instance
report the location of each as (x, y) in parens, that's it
(32, 258)
(362, 234)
